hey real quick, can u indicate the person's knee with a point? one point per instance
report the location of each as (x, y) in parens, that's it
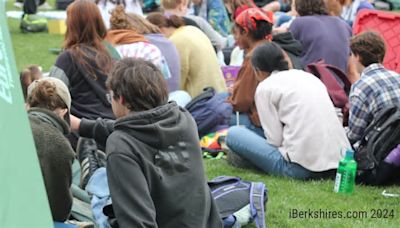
(234, 134)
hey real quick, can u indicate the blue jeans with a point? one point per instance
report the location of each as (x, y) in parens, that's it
(256, 149)
(97, 187)
(245, 121)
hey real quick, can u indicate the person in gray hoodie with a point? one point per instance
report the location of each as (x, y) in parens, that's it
(154, 163)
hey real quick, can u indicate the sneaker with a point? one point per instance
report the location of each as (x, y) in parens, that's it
(102, 158)
(88, 159)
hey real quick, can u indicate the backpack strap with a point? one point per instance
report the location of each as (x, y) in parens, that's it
(207, 93)
(257, 191)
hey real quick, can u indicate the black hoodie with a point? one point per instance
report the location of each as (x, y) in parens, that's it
(155, 171)
(291, 46)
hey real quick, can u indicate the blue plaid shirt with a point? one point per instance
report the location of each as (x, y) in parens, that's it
(376, 89)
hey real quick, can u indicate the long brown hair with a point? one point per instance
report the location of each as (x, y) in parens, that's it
(84, 36)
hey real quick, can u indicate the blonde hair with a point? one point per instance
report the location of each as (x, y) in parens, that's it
(119, 19)
(141, 25)
(172, 4)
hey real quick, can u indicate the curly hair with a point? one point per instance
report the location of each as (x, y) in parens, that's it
(311, 7)
(44, 95)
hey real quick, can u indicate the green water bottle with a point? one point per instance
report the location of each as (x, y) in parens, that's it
(346, 174)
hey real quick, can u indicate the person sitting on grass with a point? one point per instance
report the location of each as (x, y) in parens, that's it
(85, 62)
(253, 27)
(199, 62)
(215, 13)
(167, 48)
(48, 104)
(152, 155)
(376, 89)
(322, 36)
(180, 8)
(304, 137)
(129, 43)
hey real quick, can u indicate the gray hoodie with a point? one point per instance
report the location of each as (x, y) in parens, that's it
(155, 171)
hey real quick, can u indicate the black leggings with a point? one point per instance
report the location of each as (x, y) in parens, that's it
(30, 6)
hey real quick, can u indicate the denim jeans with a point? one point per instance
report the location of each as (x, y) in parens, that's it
(266, 157)
(245, 121)
(97, 187)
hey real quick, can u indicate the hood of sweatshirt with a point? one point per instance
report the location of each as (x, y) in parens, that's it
(158, 127)
(49, 117)
(288, 43)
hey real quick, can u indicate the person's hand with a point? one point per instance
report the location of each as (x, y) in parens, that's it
(75, 123)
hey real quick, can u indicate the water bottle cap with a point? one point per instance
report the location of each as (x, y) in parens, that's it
(349, 153)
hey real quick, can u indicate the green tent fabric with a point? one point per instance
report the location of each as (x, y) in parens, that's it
(23, 200)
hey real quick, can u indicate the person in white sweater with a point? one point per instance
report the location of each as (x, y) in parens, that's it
(304, 137)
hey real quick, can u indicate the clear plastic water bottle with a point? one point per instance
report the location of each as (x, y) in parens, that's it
(346, 174)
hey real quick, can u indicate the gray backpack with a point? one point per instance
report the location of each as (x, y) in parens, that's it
(239, 202)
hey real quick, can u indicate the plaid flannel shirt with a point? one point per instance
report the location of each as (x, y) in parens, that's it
(376, 89)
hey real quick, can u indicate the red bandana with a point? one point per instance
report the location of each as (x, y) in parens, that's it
(247, 19)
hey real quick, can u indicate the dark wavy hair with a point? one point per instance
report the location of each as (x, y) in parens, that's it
(311, 7)
(369, 46)
(139, 82)
(263, 29)
(268, 57)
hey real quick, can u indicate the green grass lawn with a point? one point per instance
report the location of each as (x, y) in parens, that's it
(285, 195)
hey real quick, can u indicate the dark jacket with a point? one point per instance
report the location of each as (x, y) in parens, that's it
(55, 156)
(155, 171)
(291, 46)
(89, 99)
(98, 129)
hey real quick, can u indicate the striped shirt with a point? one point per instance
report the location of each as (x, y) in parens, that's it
(146, 51)
(377, 88)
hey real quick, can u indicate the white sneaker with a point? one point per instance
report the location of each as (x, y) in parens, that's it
(45, 6)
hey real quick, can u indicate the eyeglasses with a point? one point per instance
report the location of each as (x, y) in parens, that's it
(109, 96)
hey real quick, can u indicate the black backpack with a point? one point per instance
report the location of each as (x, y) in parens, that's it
(239, 202)
(379, 139)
